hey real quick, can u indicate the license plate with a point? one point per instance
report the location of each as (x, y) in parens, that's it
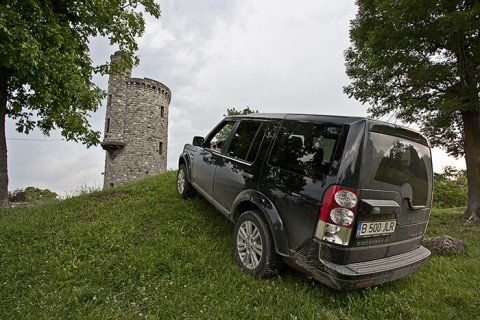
(376, 228)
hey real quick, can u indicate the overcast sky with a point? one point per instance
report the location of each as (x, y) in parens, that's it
(274, 56)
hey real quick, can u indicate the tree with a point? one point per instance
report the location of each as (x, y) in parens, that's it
(31, 194)
(223, 134)
(46, 69)
(450, 189)
(17, 195)
(420, 61)
(235, 112)
(36, 194)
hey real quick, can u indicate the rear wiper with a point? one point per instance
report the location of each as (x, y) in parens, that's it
(411, 206)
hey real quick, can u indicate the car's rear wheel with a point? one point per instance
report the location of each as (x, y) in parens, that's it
(254, 247)
(184, 187)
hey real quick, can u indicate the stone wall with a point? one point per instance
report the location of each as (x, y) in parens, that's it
(137, 129)
(116, 105)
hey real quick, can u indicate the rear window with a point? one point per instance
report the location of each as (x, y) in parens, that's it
(305, 148)
(401, 163)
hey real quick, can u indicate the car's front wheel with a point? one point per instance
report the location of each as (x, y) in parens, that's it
(254, 247)
(184, 187)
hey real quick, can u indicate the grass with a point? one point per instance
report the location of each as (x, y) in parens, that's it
(138, 251)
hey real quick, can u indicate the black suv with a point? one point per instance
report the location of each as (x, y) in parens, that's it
(344, 199)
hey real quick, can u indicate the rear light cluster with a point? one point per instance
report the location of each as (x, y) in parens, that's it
(337, 215)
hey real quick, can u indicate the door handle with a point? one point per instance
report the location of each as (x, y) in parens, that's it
(246, 175)
(411, 206)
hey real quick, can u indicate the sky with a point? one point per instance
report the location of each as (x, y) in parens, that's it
(272, 56)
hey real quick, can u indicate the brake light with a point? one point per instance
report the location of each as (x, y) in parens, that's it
(337, 215)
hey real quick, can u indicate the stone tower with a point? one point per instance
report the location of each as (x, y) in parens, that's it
(136, 128)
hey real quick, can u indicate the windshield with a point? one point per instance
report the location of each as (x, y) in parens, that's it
(401, 165)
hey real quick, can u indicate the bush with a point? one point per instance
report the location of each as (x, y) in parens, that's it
(17, 196)
(37, 194)
(31, 194)
(450, 188)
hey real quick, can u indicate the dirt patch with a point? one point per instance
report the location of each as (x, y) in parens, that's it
(148, 228)
(445, 245)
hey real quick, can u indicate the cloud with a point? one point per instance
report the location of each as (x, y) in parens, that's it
(280, 58)
(274, 56)
(56, 165)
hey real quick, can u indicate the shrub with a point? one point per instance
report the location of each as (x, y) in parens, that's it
(37, 194)
(31, 194)
(17, 195)
(450, 188)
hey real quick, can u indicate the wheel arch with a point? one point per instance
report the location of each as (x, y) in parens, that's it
(185, 160)
(254, 200)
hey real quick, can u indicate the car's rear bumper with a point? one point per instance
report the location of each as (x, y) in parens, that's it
(364, 274)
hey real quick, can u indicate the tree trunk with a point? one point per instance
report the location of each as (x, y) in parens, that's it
(4, 75)
(471, 125)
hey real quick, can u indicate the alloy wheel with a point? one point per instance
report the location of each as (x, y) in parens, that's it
(249, 244)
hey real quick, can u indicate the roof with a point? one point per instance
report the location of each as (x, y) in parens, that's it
(298, 116)
(324, 118)
(374, 125)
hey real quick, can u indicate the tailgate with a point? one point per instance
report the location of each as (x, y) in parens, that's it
(396, 194)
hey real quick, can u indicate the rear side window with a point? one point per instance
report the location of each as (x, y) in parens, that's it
(305, 148)
(246, 141)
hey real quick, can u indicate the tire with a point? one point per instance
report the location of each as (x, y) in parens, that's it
(253, 246)
(184, 187)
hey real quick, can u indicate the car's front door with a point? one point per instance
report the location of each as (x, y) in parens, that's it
(208, 156)
(239, 168)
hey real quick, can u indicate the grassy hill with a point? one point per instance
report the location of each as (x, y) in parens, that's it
(138, 251)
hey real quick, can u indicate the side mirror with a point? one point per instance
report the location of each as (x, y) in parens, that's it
(198, 141)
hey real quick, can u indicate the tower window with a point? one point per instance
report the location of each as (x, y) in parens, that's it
(109, 100)
(111, 184)
(160, 147)
(162, 111)
(107, 129)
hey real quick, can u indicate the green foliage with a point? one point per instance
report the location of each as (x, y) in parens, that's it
(37, 194)
(450, 188)
(17, 195)
(45, 57)
(418, 60)
(83, 190)
(31, 194)
(235, 112)
(138, 251)
(225, 132)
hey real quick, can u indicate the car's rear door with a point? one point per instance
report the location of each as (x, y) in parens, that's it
(299, 170)
(396, 191)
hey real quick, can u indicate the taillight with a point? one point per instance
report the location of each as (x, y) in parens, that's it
(337, 215)
(342, 217)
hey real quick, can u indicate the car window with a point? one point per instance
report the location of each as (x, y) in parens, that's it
(216, 142)
(399, 162)
(257, 141)
(246, 141)
(305, 148)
